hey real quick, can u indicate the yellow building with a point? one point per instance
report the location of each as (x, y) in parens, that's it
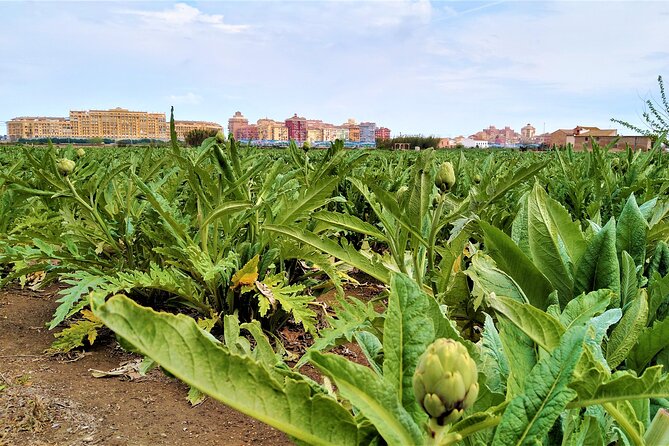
(117, 123)
(38, 127)
(329, 132)
(314, 135)
(279, 132)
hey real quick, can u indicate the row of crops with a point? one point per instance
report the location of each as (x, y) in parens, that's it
(526, 294)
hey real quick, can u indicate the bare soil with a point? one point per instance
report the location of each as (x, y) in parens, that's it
(55, 401)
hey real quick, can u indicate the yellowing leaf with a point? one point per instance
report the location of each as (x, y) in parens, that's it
(247, 275)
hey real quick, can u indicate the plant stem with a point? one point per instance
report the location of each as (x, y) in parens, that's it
(658, 432)
(624, 424)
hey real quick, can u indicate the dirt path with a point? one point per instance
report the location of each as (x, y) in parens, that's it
(48, 401)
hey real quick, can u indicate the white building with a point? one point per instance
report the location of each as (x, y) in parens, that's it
(475, 143)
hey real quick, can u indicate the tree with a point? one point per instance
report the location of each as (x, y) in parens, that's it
(656, 115)
(195, 137)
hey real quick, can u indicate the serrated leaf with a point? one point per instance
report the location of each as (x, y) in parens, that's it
(81, 284)
(529, 417)
(195, 397)
(74, 336)
(353, 315)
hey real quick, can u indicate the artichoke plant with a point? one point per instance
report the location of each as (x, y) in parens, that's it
(445, 178)
(65, 166)
(445, 381)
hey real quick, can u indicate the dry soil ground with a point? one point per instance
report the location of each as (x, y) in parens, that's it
(46, 400)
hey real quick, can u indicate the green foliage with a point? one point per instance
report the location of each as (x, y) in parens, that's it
(196, 137)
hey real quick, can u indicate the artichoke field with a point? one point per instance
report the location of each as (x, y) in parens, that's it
(523, 297)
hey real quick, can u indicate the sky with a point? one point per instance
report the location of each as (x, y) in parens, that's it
(440, 68)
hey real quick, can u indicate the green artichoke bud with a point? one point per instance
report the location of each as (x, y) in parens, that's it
(477, 178)
(81, 152)
(65, 166)
(220, 137)
(445, 381)
(445, 178)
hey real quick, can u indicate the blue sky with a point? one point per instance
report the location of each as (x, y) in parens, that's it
(437, 68)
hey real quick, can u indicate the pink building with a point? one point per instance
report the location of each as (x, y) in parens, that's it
(382, 133)
(297, 128)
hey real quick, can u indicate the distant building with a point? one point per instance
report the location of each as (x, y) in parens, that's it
(297, 128)
(382, 133)
(582, 137)
(527, 133)
(445, 143)
(497, 136)
(367, 132)
(117, 123)
(235, 123)
(301, 130)
(353, 130)
(475, 143)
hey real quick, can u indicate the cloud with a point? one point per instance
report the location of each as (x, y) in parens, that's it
(188, 98)
(182, 14)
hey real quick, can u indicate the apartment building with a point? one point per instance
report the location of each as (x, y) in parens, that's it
(382, 133)
(33, 127)
(301, 130)
(235, 123)
(117, 123)
(367, 132)
(297, 128)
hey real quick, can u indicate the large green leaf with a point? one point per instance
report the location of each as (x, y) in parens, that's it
(585, 306)
(541, 327)
(548, 243)
(629, 281)
(289, 404)
(626, 333)
(495, 362)
(521, 353)
(349, 222)
(407, 332)
(598, 267)
(513, 261)
(625, 385)
(488, 279)
(346, 253)
(529, 416)
(375, 398)
(651, 341)
(631, 232)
